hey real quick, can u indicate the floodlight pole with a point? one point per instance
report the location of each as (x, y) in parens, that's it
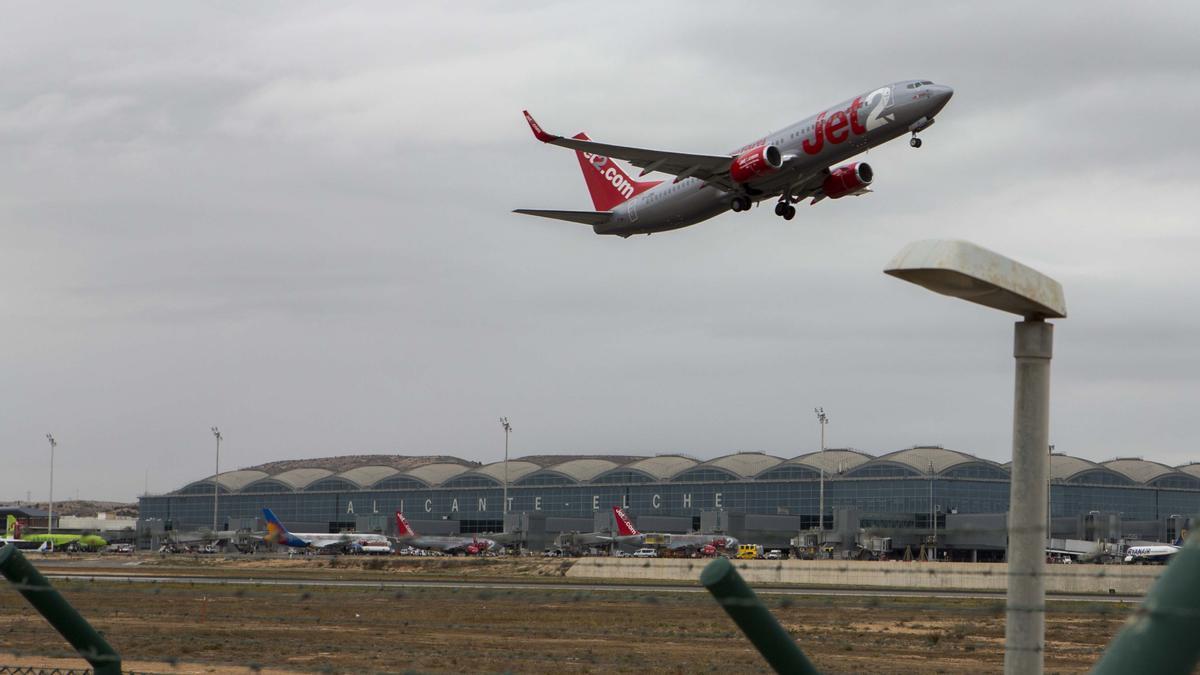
(216, 477)
(1025, 624)
(932, 512)
(822, 420)
(504, 506)
(50, 519)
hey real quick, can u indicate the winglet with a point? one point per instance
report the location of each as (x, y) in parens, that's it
(537, 129)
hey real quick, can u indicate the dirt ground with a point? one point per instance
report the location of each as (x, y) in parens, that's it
(177, 627)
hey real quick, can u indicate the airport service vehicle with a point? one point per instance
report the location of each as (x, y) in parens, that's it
(1157, 553)
(774, 554)
(367, 547)
(797, 162)
(468, 545)
(13, 535)
(701, 544)
(278, 534)
(749, 552)
(645, 553)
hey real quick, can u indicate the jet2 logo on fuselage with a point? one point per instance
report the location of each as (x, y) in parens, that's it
(836, 127)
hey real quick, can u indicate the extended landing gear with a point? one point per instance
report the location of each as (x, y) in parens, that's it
(740, 204)
(785, 210)
(914, 141)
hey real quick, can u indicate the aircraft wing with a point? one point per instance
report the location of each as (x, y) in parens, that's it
(713, 169)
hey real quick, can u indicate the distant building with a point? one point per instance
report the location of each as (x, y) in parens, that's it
(751, 495)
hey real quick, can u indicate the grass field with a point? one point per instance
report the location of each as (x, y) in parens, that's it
(178, 625)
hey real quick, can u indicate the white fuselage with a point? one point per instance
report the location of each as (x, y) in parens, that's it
(809, 148)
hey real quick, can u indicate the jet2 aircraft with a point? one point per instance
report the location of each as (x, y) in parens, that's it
(795, 163)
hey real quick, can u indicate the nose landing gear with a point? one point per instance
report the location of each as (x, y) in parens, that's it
(914, 141)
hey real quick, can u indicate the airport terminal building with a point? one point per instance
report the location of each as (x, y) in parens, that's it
(907, 496)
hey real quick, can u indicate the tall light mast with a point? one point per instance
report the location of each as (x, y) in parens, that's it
(216, 476)
(50, 520)
(822, 419)
(507, 430)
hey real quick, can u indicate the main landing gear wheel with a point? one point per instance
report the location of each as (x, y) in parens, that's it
(789, 212)
(915, 142)
(740, 204)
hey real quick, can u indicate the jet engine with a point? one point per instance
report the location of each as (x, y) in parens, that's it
(847, 180)
(755, 162)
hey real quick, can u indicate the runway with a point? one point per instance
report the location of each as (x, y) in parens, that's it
(640, 589)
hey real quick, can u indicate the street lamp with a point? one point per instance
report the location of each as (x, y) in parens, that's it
(216, 475)
(963, 270)
(932, 512)
(507, 430)
(50, 520)
(822, 420)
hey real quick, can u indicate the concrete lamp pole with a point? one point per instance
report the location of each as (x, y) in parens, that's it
(963, 270)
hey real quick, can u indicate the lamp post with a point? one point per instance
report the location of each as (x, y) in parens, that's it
(50, 520)
(507, 430)
(963, 270)
(932, 512)
(822, 420)
(216, 475)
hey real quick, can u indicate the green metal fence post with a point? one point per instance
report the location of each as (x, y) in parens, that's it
(61, 615)
(1163, 635)
(755, 620)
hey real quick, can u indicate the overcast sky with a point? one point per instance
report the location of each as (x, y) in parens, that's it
(293, 221)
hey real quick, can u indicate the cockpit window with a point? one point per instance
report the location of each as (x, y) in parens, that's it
(926, 82)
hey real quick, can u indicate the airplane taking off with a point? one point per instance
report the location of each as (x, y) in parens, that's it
(792, 164)
(469, 545)
(278, 534)
(704, 544)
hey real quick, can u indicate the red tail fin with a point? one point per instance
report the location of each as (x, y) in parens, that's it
(625, 526)
(402, 527)
(609, 184)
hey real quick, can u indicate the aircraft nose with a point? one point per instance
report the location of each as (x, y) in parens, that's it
(941, 95)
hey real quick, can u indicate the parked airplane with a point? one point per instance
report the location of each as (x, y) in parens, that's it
(602, 538)
(448, 544)
(704, 544)
(792, 164)
(1156, 553)
(13, 535)
(278, 534)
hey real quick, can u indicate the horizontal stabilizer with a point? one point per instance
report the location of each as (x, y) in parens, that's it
(582, 217)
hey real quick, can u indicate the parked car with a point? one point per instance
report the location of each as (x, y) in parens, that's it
(645, 553)
(774, 554)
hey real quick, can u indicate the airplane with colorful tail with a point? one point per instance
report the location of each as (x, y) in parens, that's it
(701, 544)
(277, 533)
(14, 535)
(472, 545)
(798, 162)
